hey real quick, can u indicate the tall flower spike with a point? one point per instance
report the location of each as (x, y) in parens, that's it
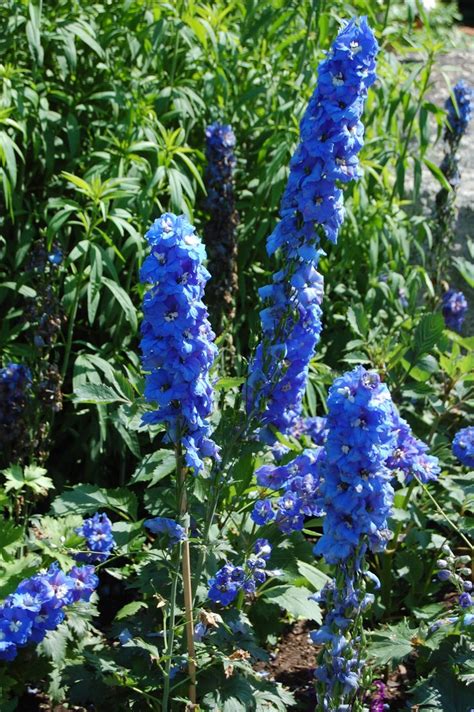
(220, 229)
(331, 135)
(459, 111)
(177, 344)
(356, 494)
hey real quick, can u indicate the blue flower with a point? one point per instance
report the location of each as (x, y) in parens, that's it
(15, 385)
(97, 531)
(262, 512)
(459, 110)
(163, 525)
(298, 482)
(465, 600)
(177, 340)
(454, 308)
(463, 446)
(220, 144)
(410, 455)
(331, 135)
(36, 606)
(229, 580)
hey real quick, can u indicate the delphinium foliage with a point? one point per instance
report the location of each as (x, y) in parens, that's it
(102, 109)
(220, 228)
(331, 135)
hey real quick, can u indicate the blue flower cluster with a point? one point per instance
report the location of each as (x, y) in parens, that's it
(298, 483)
(410, 455)
(177, 343)
(313, 428)
(454, 308)
(230, 580)
(459, 111)
(97, 531)
(356, 492)
(15, 381)
(220, 144)
(37, 606)
(163, 525)
(331, 136)
(340, 664)
(463, 446)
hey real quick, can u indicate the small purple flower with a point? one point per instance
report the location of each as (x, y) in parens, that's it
(465, 600)
(454, 308)
(378, 698)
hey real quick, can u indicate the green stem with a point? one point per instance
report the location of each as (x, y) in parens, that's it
(72, 317)
(186, 571)
(170, 637)
(388, 558)
(387, 10)
(443, 514)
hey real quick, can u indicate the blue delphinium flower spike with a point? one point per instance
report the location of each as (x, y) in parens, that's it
(454, 308)
(15, 383)
(459, 110)
(178, 342)
(463, 446)
(331, 135)
(220, 234)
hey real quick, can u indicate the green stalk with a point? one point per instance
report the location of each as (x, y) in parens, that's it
(443, 514)
(186, 571)
(389, 554)
(170, 636)
(72, 317)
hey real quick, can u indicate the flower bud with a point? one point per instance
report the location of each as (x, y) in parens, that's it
(444, 575)
(442, 564)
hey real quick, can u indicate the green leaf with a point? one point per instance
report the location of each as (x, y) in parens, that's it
(438, 174)
(155, 467)
(225, 384)
(465, 269)
(124, 300)
(10, 534)
(295, 600)
(130, 609)
(85, 499)
(443, 693)
(97, 394)
(95, 283)
(315, 577)
(392, 645)
(32, 477)
(427, 333)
